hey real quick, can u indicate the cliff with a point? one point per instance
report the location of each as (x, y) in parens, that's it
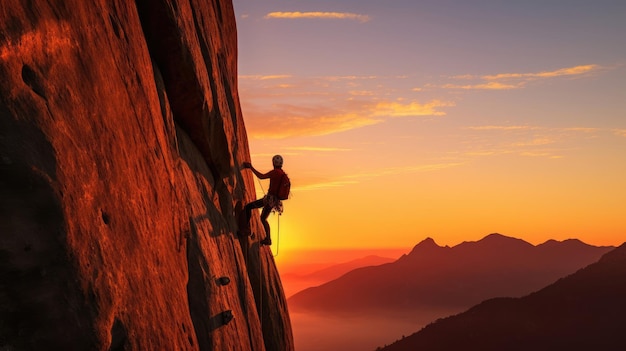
(121, 144)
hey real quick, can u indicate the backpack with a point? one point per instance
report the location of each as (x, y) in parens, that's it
(284, 187)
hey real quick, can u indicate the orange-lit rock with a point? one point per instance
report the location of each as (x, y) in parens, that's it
(121, 141)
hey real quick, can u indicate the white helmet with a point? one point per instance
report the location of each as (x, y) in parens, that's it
(277, 161)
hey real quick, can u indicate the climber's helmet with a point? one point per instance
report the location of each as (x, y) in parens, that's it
(277, 161)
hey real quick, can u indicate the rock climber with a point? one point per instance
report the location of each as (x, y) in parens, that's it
(271, 201)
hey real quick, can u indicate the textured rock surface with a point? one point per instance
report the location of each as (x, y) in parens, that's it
(121, 140)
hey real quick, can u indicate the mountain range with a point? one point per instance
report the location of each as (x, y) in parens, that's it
(583, 311)
(433, 277)
(337, 270)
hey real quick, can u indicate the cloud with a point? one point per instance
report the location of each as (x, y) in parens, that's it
(569, 71)
(551, 131)
(283, 123)
(323, 185)
(484, 86)
(361, 93)
(319, 15)
(364, 176)
(290, 120)
(464, 76)
(396, 109)
(508, 81)
(583, 129)
(525, 140)
(620, 132)
(535, 142)
(402, 170)
(492, 127)
(264, 77)
(281, 106)
(540, 154)
(338, 78)
(317, 148)
(519, 149)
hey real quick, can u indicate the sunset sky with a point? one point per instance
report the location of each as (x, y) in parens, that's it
(450, 119)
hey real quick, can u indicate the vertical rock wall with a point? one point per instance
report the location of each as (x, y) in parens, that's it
(121, 141)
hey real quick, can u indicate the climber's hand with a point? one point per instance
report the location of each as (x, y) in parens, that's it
(246, 165)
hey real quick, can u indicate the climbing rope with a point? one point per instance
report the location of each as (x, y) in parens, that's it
(260, 291)
(277, 236)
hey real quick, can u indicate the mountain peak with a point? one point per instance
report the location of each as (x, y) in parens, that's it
(495, 242)
(566, 242)
(428, 242)
(497, 238)
(427, 245)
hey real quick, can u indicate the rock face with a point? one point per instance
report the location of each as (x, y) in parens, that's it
(121, 144)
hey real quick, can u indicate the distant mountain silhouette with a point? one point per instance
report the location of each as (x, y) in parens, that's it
(337, 270)
(583, 311)
(449, 278)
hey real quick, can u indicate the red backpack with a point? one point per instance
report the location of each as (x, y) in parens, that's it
(284, 187)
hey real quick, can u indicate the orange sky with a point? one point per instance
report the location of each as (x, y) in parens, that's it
(432, 120)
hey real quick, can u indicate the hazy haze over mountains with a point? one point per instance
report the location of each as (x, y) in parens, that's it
(449, 278)
(583, 311)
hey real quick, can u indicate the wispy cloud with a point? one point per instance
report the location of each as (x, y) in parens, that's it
(492, 127)
(309, 106)
(323, 185)
(319, 15)
(583, 129)
(515, 149)
(508, 81)
(525, 140)
(403, 170)
(535, 142)
(361, 93)
(553, 130)
(568, 71)
(620, 132)
(264, 77)
(483, 86)
(540, 154)
(413, 108)
(356, 178)
(317, 148)
(338, 78)
(287, 122)
(282, 105)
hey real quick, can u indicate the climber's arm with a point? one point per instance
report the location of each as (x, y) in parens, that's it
(257, 173)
